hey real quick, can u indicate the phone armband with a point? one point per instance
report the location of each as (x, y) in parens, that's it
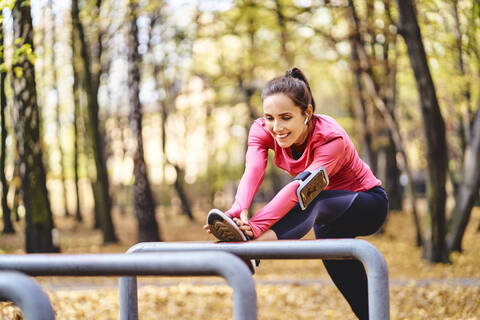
(311, 186)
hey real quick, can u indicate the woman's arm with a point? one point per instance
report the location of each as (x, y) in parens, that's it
(276, 209)
(255, 165)
(327, 156)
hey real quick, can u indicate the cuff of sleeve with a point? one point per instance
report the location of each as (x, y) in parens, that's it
(234, 212)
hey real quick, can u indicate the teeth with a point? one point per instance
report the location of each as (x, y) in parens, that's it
(281, 136)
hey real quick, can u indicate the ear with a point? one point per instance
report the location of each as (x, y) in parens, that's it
(309, 111)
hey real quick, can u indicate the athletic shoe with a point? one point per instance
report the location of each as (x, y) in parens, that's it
(223, 227)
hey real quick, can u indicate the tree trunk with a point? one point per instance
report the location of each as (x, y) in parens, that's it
(143, 198)
(39, 220)
(179, 187)
(468, 189)
(6, 212)
(389, 116)
(369, 154)
(435, 249)
(91, 85)
(76, 149)
(282, 24)
(76, 120)
(16, 184)
(54, 87)
(392, 177)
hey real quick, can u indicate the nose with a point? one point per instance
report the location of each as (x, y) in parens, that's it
(276, 126)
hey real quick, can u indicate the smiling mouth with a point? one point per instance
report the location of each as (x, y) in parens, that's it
(282, 136)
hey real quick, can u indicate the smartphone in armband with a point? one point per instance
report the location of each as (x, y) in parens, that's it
(311, 187)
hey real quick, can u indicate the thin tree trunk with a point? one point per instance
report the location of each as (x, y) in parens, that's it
(76, 118)
(52, 33)
(392, 177)
(16, 184)
(463, 117)
(76, 149)
(96, 141)
(435, 249)
(179, 187)
(369, 154)
(282, 24)
(172, 91)
(393, 172)
(6, 212)
(143, 197)
(358, 67)
(389, 116)
(39, 220)
(467, 191)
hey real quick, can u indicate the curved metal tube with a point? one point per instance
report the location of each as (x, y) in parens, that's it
(223, 264)
(378, 288)
(26, 294)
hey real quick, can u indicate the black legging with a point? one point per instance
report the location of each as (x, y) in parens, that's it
(364, 216)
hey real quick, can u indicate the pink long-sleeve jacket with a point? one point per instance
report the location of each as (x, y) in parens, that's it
(328, 146)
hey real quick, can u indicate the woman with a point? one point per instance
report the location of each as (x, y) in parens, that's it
(353, 204)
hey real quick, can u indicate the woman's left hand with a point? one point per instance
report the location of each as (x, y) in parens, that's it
(243, 223)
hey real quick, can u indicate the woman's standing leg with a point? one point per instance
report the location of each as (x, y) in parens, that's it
(365, 216)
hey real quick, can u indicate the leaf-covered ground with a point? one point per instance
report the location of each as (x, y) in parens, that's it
(294, 289)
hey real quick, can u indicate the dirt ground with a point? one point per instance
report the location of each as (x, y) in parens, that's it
(286, 289)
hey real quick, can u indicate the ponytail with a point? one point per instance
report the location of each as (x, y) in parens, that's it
(293, 84)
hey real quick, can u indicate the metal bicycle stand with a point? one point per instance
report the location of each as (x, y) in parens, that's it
(184, 263)
(372, 259)
(26, 294)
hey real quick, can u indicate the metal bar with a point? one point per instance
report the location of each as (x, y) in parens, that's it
(26, 294)
(184, 263)
(378, 291)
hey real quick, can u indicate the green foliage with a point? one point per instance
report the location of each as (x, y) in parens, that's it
(7, 4)
(23, 51)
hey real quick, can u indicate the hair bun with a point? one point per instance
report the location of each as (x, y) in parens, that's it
(295, 73)
(298, 91)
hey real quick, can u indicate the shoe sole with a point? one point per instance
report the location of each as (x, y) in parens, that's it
(223, 227)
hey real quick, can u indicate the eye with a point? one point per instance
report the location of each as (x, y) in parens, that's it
(286, 118)
(268, 118)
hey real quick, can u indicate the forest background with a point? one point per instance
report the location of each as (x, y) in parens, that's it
(138, 111)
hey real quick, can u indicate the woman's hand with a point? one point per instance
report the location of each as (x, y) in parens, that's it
(243, 223)
(207, 228)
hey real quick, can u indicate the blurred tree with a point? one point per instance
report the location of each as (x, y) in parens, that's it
(76, 87)
(467, 190)
(39, 220)
(52, 41)
(6, 212)
(165, 33)
(435, 249)
(91, 79)
(373, 59)
(355, 42)
(377, 91)
(143, 198)
(464, 126)
(467, 186)
(284, 33)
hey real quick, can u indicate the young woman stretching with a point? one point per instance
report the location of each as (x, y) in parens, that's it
(353, 204)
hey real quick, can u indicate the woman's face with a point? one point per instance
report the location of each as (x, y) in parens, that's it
(285, 120)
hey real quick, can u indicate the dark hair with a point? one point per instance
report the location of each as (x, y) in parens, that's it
(294, 85)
